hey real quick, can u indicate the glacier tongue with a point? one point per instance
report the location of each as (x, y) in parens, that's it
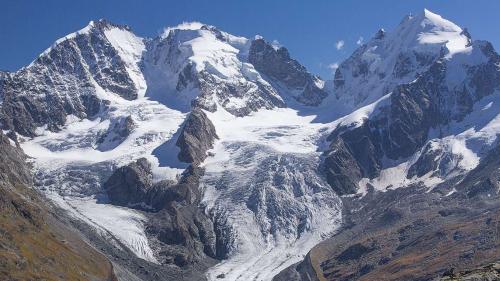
(263, 190)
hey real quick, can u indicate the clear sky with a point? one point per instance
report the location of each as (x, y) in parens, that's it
(311, 30)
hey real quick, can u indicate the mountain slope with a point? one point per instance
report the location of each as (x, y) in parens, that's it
(116, 165)
(71, 78)
(395, 140)
(34, 243)
(418, 166)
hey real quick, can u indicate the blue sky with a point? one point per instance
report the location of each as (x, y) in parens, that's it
(309, 29)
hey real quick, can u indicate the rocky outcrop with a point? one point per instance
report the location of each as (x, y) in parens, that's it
(484, 180)
(181, 232)
(196, 138)
(489, 272)
(119, 129)
(131, 185)
(352, 155)
(277, 65)
(13, 169)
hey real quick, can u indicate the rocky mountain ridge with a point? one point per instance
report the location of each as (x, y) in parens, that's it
(203, 155)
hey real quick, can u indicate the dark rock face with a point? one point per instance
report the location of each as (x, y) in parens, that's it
(264, 97)
(60, 83)
(197, 136)
(178, 228)
(183, 234)
(426, 162)
(353, 155)
(13, 168)
(129, 185)
(278, 65)
(484, 180)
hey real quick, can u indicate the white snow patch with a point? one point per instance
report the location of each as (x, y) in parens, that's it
(437, 30)
(123, 224)
(283, 129)
(130, 49)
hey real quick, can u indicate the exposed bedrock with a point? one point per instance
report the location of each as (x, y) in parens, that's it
(196, 138)
(177, 227)
(277, 64)
(401, 127)
(65, 80)
(118, 131)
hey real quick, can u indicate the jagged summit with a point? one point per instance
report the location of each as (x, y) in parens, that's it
(430, 30)
(106, 24)
(100, 26)
(398, 56)
(195, 57)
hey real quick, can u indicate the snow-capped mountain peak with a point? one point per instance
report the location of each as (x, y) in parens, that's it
(398, 56)
(199, 64)
(215, 145)
(429, 31)
(429, 69)
(100, 25)
(194, 25)
(212, 69)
